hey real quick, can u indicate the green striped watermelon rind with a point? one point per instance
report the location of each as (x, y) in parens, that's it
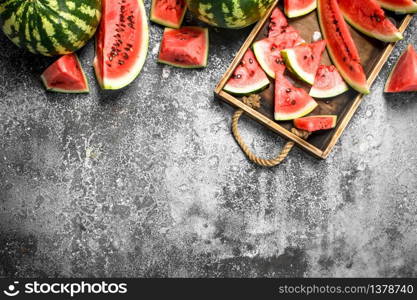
(45, 31)
(233, 14)
(412, 8)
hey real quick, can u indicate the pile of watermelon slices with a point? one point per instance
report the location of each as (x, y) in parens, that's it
(287, 58)
(122, 45)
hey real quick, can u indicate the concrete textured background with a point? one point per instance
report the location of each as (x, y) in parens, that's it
(148, 181)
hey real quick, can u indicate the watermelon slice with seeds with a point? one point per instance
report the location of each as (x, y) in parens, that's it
(65, 76)
(403, 77)
(248, 76)
(304, 60)
(291, 102)
(315, 123)
(328, 83)
(169, 13)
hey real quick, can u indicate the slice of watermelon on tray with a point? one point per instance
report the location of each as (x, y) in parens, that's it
(298, 8)
(248, 76)
(316, 123)
(328, 83)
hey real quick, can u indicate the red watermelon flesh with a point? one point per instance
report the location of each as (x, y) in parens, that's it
(291, 102)
(315, 123)
(169, 13)
(328, 83)
(185, 48)
(65, 75)
(298, 8)
(403, 77)
(281, 36)
(341, 46)
(248, 76)
(304, 60)
(369, 18)
(399, 6)
(121, 43)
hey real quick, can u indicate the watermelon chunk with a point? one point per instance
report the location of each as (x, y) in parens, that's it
(399, 6)
(65, 76)
(403, 77)
(169, 13)
(291, 102)
(304, 60)
(341, 46)
(121, 43)
(298, 8)
(315, 123)
(281, 36)
(328, 83)
(185, 48)
(369, 18)
(248, 77)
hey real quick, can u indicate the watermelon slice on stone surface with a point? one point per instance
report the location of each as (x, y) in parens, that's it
(399, 6)
(169, 13)
(328, 83)
(248, 76)
(65, 76)
(298, 8)
(121, 43)
(403, 77)
(304, 60)
(369, 18)
(186, 47)
(340, 45)
(291, 102)
(281, 36)
(315, 123)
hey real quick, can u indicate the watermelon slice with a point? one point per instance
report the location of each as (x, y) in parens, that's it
(304, 60)
(185, 48)
(328, 83)
(369, 18)
(169, 13)
(281, 36)
(121, 43)
(65, 76)
(298, 8)
(315, 123)
(403, 77)
(291, 102)
(399, 6)
(248, 77)
(341, 46)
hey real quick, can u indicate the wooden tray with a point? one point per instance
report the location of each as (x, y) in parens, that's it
(373, 53)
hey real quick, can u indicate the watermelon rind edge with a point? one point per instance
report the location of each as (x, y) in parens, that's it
(329, 93)
(259, 86)
(164, 23)
(301, 12)
(400, 9)
(261, 59)
(288, 117)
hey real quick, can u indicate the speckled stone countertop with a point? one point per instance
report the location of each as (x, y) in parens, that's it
(148, 181)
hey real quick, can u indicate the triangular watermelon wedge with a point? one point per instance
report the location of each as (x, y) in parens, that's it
(304, 60)
(248, 76)
(291, 102)
(403, 77)
(65, 76)
(298, 8)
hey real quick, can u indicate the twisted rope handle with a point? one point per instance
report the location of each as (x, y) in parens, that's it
(253, 101)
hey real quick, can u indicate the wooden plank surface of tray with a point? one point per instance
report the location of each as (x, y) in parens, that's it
(373, 54)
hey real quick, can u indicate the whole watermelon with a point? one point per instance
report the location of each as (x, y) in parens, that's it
(229, 13)
(50, 27)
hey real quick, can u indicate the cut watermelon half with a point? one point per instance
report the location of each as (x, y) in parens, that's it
(304, 60)
(186, 47)
(248, 76)
(121, 43)
(281, 36)
(403, 77)
(65, 76)
(315, 123)
(169, 13)
(399, 6)
(298, 8)
(369, 18)
(340, 44)
(291, 102)
(328, 83)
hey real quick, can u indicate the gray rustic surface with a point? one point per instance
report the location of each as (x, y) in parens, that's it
(148, 181)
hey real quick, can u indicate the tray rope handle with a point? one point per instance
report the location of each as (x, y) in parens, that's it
(254, 102)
